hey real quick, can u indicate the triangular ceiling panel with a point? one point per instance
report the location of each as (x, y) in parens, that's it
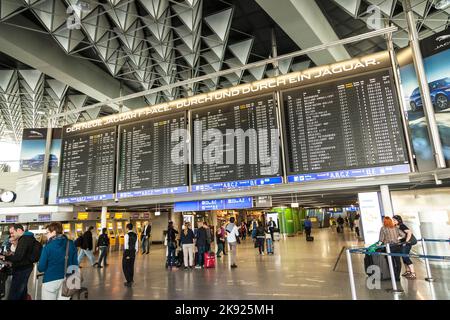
(155, 7)
(350, 6)
(220, 23)
(8, 7)
(241, 50)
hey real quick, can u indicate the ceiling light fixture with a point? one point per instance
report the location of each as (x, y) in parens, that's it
(442, 4)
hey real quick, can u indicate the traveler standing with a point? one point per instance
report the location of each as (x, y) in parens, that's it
(243, 230)
(53, 261)
(407, 242)
(356, 223)
(308, 226)
(145, 237)
(87, 246)
(208, 236)
(103, 245)
(253, 227)
(260, 238)
(131, 247)
(187, 243)
(271, 225)
(390, 234)
(171, 244)
(27, 252)
(201, 243)
(220, 235)
(233, 239)
(340, 222)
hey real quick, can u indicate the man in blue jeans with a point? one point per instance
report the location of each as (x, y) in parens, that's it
(201, 244)
(22, 264)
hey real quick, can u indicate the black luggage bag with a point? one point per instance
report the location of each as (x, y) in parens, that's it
(309, 238)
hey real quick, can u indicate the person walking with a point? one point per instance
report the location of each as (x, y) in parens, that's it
(308, 227)
(233, 240)
(340, 222)
(406, 245)
(171, 245)
(103, 245)
(253, 227)
(390, 234)
(260, 238)
(131, 247)
(201, 243)
(271, 225)
(356, 223)
(53, 262)
(220, 235)
(243, 230)
(27, 251)
(145, 237)
(187, 243)
(87, 246)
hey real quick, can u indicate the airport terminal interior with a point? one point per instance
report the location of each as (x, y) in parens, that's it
(224, 149)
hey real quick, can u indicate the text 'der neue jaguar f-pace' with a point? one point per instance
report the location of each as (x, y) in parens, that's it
(439, 92)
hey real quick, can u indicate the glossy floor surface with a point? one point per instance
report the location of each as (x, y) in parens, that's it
(297, 270)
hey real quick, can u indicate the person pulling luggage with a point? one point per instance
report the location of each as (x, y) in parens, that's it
(308, 226)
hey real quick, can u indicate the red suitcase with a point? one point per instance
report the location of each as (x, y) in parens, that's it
(210, 259)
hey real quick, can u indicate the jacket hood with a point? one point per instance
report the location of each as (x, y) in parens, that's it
(58, 241)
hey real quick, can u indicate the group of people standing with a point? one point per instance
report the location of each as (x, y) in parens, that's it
(194, 244)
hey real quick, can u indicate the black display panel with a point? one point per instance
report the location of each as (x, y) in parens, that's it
(145, 161)
(248, 162)
(349, 123)
(87, 166)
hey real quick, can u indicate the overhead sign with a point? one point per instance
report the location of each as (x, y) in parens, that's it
(83, 215)
(45, 218)
(264, 201)
(219, 204)
(369, 206)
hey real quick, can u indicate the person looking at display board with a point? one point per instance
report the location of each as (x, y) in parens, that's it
(131, 247)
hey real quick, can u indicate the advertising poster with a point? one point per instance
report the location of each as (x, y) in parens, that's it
(29, 181)
(370, 216)
(436, 54)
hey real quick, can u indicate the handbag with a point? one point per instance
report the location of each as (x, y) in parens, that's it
(65, 291)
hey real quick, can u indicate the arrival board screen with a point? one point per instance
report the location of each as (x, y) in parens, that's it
(227, 157)
(87, 166)
(344, 124)
(146, 166)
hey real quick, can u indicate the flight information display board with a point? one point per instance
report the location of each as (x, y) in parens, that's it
(146, 166)
(255, 162)
(344, 128)
(87, 166)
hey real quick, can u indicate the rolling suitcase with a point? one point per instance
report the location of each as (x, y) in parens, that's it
(309, 238)
(210, 259)
(269, 244)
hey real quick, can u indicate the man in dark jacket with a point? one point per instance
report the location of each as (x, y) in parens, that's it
(201, 244)
(86, 247)
(103, 245)
(22, 264)
(145, 237)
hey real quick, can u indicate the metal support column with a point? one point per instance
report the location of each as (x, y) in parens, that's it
(46, 164)
(429, 277)
(386, 201)
(423, 86)
(351, 276)
(396, 74)
(391, 270)
(103, 217)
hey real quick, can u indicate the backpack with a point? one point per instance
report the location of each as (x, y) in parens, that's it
(79, 242)
(35, 251)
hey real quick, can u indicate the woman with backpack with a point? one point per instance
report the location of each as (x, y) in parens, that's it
(407, 242)
(53, 262)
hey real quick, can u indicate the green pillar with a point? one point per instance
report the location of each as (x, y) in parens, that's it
(296, 219)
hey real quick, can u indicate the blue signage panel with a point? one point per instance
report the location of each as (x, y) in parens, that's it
(354, 173)
(237, 184)
(152, 192)
(218, 204)
(99, 197)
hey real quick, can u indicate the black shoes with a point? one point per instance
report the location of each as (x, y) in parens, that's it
(99, 267)
(233, 266)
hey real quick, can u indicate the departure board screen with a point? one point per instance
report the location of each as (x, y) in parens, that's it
(87, 166)
(344, 124)
(251, 161)
(146, 166)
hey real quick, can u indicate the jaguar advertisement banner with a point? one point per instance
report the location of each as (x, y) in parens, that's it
(436, 54)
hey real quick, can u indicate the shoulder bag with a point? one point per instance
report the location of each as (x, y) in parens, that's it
(65, 291)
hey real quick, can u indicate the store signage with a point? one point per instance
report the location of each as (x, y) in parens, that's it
(321, 73)
(263, 201)
(119, 215)
(45, 218)
(369, 205)
(83, 215)
(219, 204)
(11, 219)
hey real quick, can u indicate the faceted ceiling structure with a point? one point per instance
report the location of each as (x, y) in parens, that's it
(147, 44)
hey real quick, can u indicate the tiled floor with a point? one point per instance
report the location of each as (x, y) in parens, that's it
(298, 270)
